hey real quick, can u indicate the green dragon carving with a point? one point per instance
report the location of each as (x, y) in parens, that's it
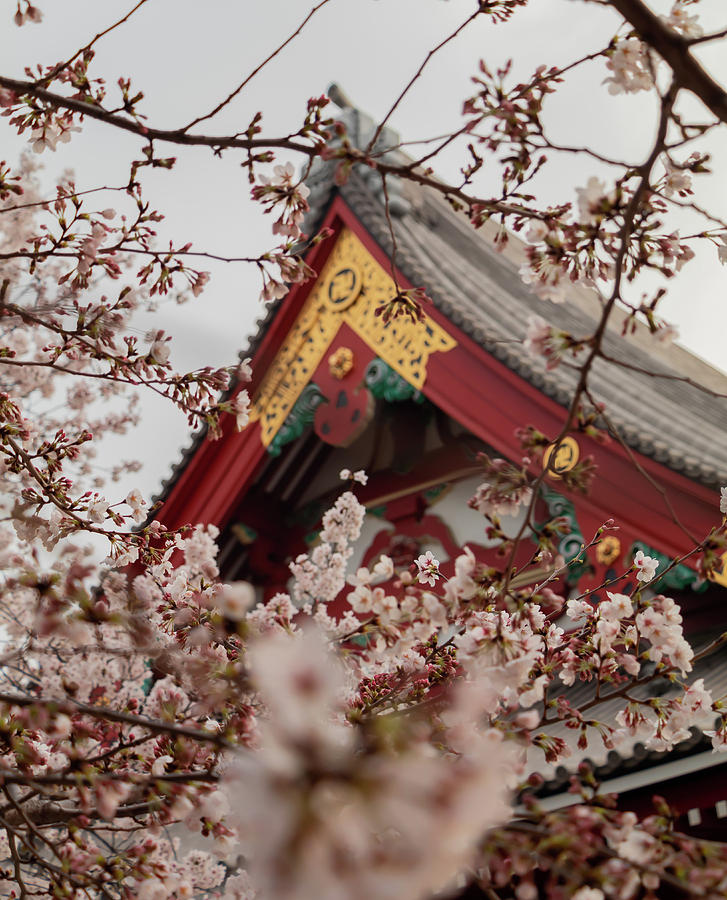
(386, 384)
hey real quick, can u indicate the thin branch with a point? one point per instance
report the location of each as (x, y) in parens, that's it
(695, 207)
(667, 103)
(137, 778)
(392, 234)
(417, 75)
(614, 432)
(140, 251)
(714, 36)
(56, 70)
(545, 833)
(255, 71)
(16, 862)
(666, 376)
(63, 196)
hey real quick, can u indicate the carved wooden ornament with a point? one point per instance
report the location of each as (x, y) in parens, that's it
(349, 290)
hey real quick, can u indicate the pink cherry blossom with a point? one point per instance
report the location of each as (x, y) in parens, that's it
(646, 566)
(427, 568)
(240, 407)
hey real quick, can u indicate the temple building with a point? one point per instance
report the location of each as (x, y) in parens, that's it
(414, 403)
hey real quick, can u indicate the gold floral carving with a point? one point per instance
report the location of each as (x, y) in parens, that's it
(608, 550)
(340, 362)
(350, 289)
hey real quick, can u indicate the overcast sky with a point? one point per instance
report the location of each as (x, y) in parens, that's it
(186, 55)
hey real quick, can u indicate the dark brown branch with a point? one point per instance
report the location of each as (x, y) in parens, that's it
(713, 36)
(53, 253)
(72, 707)
(72, 779)
(180, 137)
(674, 50)
(64, 195)
(16, 864)
(174, 136)
(543, 832)
(624, 234)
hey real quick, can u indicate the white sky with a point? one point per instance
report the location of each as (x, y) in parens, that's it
(186, 55)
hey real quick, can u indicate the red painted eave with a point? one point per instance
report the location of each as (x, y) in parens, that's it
(217, 477)
(483, 395)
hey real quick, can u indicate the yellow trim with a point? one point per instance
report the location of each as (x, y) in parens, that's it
(351, 287)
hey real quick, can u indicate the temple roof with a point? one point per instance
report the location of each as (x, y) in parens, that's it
(664, 414)
(632, 766)
(481, 292)
(630, 753)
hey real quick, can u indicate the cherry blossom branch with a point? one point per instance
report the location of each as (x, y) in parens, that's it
(16, 862)
(311, 150)
(71, 707)
(56, 873)
(675, 51)
(141, 251)
(72, 779)
(173, 136)
(624, 236)
(467, 128)
(121, 378)
(603, 849)
(57, 70)
(63, 195)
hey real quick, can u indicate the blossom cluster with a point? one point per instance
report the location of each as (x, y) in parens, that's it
(166, 735)
(276, 730)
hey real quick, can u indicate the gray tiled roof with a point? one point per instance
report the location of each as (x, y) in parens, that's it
(631, 754)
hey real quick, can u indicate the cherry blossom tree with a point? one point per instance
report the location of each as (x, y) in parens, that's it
(165, 736)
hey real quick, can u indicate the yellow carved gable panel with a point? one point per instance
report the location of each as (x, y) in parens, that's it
(351, 287)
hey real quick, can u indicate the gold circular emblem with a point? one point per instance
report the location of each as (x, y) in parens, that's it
(343, 287)
(561, 458)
